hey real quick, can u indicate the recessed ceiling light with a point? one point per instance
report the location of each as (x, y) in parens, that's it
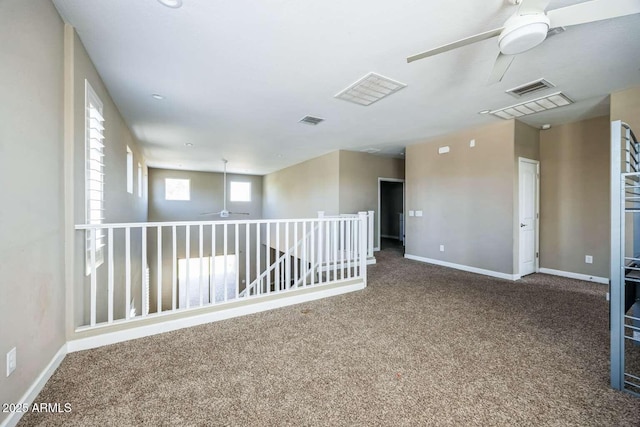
(484, 112)
(188, 144)
(174, 4)
(157, 96)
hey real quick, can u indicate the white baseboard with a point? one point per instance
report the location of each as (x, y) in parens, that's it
(36, 387)
(376, 249)
(596, 279)
(476, 270)
(175, 324)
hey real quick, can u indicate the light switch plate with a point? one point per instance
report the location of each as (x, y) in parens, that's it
(412, 213)
(441, 248)
(472, 143)
(11, 361)
(588, 259)
(418, 213)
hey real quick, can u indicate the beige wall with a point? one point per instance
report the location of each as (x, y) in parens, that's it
(625, 106)
(206, 196)
(359, 173)
(526, 145)
(574, 197)
(120, 206)
(301, 190)
(32, 307)
(466, 197)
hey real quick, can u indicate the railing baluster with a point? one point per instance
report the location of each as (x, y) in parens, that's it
(312, 245)
(247, 252)
(174, 278)
(94, 278)
(127, 272)
(201, 253)
(342, 246)
(159, 272)
(335, 249)
(287, 259)
(258, 287)
(348, 245)
(356, 236)
(212, 280)
(296, 261)
(237, 250)
(187, 287)
(304, 259)
(276, 285)
(110, 267)
(321, 226)
(268, 258)
(328, 251)
(144, 304)
(224, 267)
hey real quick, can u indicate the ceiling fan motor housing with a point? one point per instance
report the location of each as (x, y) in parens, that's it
(523, 32)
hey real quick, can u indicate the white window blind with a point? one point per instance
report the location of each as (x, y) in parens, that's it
(94, 171)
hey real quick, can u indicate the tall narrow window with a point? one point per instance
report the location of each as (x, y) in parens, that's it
(139, 180)
(129, 170)
(94, 172)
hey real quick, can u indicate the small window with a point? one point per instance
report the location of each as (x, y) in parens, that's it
(139, 180)
(129, 170)
(177, 189)
(240, 191)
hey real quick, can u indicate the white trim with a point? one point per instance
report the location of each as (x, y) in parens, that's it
(470, 269)
(172, 325)
(37, 386)
(377, 248)
(579, 276)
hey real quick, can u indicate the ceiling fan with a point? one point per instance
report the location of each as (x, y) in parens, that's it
(224, 213)
(528, 27)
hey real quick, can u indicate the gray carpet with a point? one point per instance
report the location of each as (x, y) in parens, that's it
(422, 345)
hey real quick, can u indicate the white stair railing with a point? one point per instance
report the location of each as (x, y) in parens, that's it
(192, 265)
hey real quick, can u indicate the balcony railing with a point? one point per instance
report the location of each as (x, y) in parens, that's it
(145, 270)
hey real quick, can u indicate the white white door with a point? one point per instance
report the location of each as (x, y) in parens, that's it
(528, 178)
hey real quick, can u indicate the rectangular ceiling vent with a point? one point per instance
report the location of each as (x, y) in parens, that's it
(530, 87)
(369, 89)
(544, 103)
(310, 120)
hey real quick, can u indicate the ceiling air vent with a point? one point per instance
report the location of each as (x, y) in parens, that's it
(310, 120)
(370, 150)
(530, 87)
(369, 89)
(543, 103)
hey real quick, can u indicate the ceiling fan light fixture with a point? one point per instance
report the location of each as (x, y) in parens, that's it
(523, 32)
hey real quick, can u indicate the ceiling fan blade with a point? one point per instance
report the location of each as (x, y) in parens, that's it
(591, 11)
(457, 44)
(531, 7)
(239, 213)
(503, 62)
(210, 213)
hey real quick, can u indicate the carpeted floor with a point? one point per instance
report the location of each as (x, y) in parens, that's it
(422, 345)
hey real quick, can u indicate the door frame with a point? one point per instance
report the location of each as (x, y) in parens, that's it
(404, 214)
(522, 160)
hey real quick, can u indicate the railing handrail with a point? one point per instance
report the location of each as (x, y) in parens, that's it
(183, 223)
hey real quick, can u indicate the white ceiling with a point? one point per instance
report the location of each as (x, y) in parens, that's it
(238, 75)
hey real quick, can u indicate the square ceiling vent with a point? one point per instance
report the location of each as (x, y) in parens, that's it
(544, 103)
(369, 89)
(531, 87)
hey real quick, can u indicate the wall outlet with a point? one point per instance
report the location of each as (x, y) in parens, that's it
(443, 150)
(588, 259)
(441, 248)
(472, 143)
(412, 213)
(418, 213)
(11, 361)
